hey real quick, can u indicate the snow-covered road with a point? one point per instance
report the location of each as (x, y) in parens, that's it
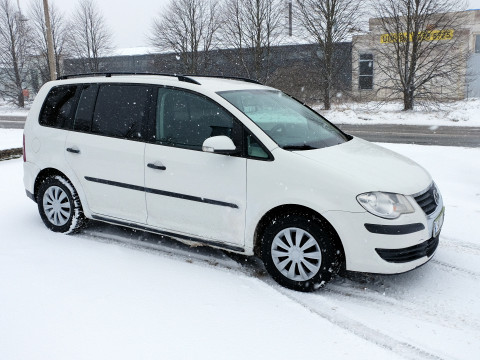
(111, 292)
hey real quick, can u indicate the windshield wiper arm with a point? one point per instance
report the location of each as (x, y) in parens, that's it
(299, 147)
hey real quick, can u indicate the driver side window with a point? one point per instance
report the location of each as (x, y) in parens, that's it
(186, 120)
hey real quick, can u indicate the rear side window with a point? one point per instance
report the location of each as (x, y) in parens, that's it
(121, 110)
(86, 105)
(59, 106)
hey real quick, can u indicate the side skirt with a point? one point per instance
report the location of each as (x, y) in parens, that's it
(170, 234)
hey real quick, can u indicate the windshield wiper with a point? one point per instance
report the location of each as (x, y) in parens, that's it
(299, 147)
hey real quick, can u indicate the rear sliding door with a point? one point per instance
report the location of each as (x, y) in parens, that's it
(106, 149)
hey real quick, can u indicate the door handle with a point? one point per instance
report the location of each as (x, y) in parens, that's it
(73, 150)
(156, 166)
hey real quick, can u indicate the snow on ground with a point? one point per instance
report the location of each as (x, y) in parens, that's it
(11, 138)
(7, 109)
(110, 292)
(459, 113)
(436, 307)
(71, 297)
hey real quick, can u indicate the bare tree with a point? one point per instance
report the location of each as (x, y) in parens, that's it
(251, 28)
(421, 52)
(15, 51)
(59, 32)
(329, 22)
(188, 28)
(89, 38)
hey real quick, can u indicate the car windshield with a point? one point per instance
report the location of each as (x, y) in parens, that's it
(290, 124)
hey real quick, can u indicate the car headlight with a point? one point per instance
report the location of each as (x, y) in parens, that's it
(385, 205)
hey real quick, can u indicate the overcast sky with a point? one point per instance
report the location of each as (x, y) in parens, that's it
(131, 20)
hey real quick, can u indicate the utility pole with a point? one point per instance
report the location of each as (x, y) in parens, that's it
(290, 19)
(51, 55)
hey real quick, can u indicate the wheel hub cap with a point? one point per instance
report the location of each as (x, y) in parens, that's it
(296, 254)
(56, 205)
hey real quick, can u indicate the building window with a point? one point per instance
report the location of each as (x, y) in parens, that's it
(365, 77)
(477, 44)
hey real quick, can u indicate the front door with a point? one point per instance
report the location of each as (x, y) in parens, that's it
(188, 191)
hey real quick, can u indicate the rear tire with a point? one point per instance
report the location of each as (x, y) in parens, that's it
(59, 205)
(299, 252)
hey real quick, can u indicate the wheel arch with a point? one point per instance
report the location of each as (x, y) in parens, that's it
(294, 208)
(52, 177)
(43, 174)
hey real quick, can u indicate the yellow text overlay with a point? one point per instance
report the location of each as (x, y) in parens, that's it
(422, 36)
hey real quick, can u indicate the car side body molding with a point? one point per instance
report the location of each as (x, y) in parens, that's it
(162, 192)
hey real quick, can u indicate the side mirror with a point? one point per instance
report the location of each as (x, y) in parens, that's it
(220, 145)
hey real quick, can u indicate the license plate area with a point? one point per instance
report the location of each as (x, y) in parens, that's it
(438, 223)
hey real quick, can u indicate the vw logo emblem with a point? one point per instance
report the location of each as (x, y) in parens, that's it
(436, 196)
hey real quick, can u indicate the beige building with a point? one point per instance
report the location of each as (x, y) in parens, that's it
(456, 54)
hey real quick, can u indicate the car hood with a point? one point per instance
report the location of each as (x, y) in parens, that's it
(369, 167)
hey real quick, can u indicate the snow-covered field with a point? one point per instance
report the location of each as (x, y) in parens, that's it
(459, 113)
(113, 293)
(11, 138)
(7, 109)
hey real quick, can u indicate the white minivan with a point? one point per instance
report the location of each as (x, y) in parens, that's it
(227, 163)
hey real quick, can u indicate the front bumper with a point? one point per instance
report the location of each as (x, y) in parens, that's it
(412, 253)
(383, 246)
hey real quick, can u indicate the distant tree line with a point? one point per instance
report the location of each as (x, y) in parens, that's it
(195, 31)
(23, 43)
(251, 28)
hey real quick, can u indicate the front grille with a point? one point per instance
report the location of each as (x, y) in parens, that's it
(427, 248)
(426, 200)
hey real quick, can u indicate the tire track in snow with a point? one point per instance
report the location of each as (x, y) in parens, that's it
(375, 336)
(399, 347)
(460, 245)
(152, 243)
(415, 310)
(250, 267)
(466, 272)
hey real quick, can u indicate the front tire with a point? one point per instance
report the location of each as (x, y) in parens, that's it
(299, 252)
(59, 205)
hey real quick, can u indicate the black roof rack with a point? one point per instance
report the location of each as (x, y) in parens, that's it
(109, 74)
(184, 78)
(230, 77)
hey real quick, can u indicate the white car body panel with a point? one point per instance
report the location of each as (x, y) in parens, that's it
(109, 160)
(206, 176)
(364, 166)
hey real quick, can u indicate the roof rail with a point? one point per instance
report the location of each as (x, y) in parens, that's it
(229, 77)
(183, 78)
